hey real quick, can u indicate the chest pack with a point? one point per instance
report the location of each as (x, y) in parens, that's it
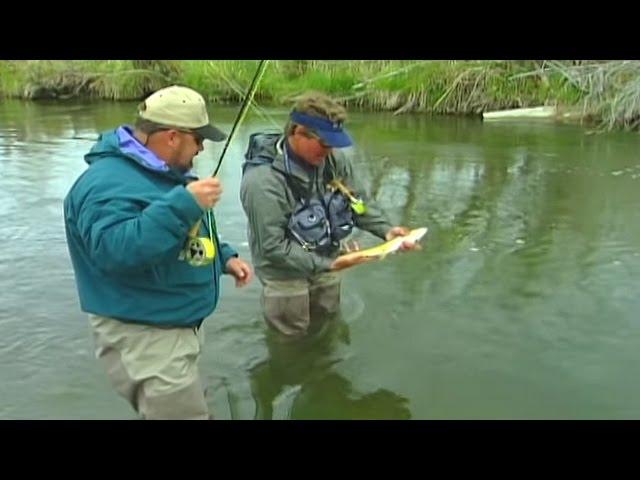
(321, 218)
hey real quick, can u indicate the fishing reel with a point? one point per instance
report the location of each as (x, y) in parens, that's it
(199, 251)
(357, 205)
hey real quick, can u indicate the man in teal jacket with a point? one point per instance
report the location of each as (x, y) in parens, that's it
(145, 270)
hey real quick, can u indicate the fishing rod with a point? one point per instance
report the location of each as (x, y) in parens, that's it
(201, 250)
(243, 110)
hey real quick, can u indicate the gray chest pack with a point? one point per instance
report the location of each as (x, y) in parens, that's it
(319, 221)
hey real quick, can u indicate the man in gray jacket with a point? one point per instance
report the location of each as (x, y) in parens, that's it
(301, 198)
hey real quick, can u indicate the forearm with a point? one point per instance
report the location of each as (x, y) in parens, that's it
(374, 220)
(290, 255)
(120, 237)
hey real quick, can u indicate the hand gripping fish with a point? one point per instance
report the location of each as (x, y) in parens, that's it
(393, 245)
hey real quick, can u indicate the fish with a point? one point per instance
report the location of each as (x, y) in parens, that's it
(392, 246)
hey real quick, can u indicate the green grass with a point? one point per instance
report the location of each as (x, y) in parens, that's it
(608, 91)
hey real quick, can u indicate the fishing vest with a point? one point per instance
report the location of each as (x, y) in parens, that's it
(318, 222)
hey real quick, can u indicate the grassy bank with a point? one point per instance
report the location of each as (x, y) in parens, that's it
(604, 91)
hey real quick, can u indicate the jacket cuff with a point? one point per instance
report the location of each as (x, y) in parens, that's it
(226, 252)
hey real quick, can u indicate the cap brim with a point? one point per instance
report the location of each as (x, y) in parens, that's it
(211, 133)
(335, 139)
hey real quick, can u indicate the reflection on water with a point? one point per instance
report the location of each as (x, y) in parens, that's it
(521, 305)
(297, 380)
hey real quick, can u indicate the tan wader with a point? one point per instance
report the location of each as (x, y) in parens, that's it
(294, 306)
(155, 369)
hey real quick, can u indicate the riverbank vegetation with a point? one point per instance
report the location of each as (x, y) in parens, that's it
(603, 92)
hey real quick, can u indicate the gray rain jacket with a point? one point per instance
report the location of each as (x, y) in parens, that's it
(268, 202)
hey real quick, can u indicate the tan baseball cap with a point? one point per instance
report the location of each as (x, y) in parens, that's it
(180, 107)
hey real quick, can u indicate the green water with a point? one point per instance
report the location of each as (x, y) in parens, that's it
(522, 303)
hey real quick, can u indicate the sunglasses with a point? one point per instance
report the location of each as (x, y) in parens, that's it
(311, 134)
(199, 139)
